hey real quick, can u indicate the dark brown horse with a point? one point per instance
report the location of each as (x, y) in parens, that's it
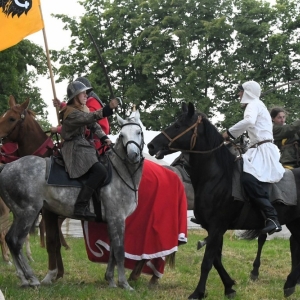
(19, 126)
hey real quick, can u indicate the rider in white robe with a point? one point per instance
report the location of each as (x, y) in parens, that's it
(261, 161)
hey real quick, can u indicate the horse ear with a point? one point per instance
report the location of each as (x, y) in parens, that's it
(25, 104)
(12, 101)
(184, 107)
(191, 110)
(120, 120)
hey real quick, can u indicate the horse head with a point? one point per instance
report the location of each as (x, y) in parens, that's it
(183, 135)
(12, 118)
(131, 137)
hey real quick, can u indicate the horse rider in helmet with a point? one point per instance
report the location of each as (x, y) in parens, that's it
(79, 155)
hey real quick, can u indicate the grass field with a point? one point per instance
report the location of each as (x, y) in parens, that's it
(85, 280)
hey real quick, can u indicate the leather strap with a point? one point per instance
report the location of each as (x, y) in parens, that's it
(262, 142)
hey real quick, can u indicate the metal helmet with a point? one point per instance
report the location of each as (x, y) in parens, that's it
(84, 80)
(75, 88)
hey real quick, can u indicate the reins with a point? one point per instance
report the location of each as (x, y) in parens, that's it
(193, 139)
(22, 118)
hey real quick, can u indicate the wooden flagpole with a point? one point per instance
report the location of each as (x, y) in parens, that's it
(49, 65)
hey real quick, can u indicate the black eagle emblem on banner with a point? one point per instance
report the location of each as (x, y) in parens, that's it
(15, 7)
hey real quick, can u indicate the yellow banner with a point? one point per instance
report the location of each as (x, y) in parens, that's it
(18, 19)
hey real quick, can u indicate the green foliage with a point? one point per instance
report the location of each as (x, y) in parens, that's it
(20, 66)
(160, 53)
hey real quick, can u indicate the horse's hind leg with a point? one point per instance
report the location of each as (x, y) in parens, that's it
(293, 277)
(4, 248)
(295, 254)
(137, 271)
(15, 239)
(28, 249)
(256, 263)
(53, 245)
(42, 232)
(61, 236)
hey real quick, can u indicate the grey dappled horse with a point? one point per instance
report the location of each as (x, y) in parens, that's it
(24, 189)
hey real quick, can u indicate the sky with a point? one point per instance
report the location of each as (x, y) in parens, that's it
(57, 39)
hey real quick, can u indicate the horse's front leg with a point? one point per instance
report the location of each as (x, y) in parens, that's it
(116, 228)
(110, 270)
(214, 241)
(15, 239)
(228, 282)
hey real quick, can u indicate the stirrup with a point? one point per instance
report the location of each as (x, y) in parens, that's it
(84, 213)
(271, 227)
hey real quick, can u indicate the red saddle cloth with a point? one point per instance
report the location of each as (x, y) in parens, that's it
(156, 227)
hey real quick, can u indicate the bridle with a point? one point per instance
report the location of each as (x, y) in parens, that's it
(193, 139)
(133, 187)
(141, 147)
(21, 120)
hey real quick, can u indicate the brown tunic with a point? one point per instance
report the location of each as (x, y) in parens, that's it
(78, 154)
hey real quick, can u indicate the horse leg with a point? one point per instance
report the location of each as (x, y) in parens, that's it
(228, 282)
(295, 253)
(212, 251)
(4, 248)
(42, 232)
(116, 228)
(28, 250)
(137, 271)
(110, 270)
(53, 245)
(61, 236)
(15, 239)
(292, 278)
(256, 264)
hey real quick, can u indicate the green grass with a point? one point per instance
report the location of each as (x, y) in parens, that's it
(85, 280)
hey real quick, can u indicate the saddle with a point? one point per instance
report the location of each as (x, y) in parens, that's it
(285, 191)
(183, 167)
(56, 175)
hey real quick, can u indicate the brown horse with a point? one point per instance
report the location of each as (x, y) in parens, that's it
(18, 125)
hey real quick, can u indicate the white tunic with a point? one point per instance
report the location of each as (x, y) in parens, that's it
(262, 162)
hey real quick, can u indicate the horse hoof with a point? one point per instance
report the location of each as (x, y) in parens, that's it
(195, 297)
(253, 277)
(231, 295)
(288, 292)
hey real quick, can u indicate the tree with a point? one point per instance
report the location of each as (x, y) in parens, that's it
(156, 51)
(20, 65)
(162, 52)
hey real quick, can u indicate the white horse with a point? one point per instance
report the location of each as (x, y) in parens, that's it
(25, 191)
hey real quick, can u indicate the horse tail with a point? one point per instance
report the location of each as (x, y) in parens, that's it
(249, 234)
(170, 260)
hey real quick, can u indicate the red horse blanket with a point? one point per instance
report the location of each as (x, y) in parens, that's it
(154, 230)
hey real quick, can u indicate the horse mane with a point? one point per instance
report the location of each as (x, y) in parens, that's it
(213, 139)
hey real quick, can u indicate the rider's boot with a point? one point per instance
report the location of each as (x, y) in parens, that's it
(81, 210)
(271, 224)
